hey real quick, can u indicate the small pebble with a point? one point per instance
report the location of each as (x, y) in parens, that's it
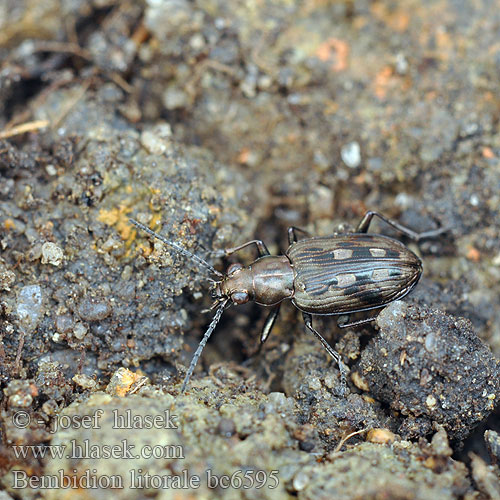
(440, 443)
(29, 306)
(226, 427)
(80, 330)
(300, 481)
(380, 436)
(7, 278)
(51, 254)
(84, 381)
(430, 401)
(315, 384)
(401, 64)
(93, 309)
(174, 98)
(64, 323)
(351, 154)
(359, 381)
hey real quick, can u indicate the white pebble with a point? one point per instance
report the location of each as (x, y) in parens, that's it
(351, 154)
(51, 254)
(29, 306)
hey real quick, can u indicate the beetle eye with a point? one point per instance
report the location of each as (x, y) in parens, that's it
(233, 268)
(240, 297)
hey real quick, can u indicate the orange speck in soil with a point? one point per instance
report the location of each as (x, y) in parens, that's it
(443, 39)
(334, 51)
(431, 95)
(9, 224)
(488, 153)
(154, 221)
(124, 384)
(118, 217)
(109, 217)
(473, 254)
(243, 155)
(360, 179)
(330, 107)
(382, 81)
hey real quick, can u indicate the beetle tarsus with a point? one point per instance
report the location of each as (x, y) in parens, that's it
(348, 324)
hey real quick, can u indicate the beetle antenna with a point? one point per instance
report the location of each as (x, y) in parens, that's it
(177, 247)
(202, 344)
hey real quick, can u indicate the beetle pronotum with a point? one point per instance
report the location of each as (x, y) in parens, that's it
(331, 275)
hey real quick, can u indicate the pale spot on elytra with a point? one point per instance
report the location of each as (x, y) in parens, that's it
(342, 253)
(345, 279)
(380, 274)
(377, 252)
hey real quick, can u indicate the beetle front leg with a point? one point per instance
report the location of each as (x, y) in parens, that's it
(261, 249)
(366, 221)
(344, 370)
(268, 325)
(266, 329)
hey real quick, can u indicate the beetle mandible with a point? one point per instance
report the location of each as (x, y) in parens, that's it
(330, 275)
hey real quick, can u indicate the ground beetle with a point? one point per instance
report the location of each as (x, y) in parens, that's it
(332, 275)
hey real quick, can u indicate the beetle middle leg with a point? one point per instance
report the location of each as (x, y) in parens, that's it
(344, 370)
(367, 219)
(292, 237)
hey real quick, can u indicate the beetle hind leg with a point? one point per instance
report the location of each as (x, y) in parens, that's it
(344, 370)
(367, 219)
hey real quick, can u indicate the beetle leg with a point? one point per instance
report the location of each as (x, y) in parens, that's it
(266, 330)
(261, 249)
(344, 370)
(354, 323)
(268, 325)
(292, 237)
(366, 220)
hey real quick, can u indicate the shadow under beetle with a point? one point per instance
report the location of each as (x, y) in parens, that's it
(330, 275)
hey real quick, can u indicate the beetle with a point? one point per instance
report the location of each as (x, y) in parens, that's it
(331, 275)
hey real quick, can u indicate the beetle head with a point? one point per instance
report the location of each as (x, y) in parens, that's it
(236, 286)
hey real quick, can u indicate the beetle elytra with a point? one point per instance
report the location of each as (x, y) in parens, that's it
(332, 275)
